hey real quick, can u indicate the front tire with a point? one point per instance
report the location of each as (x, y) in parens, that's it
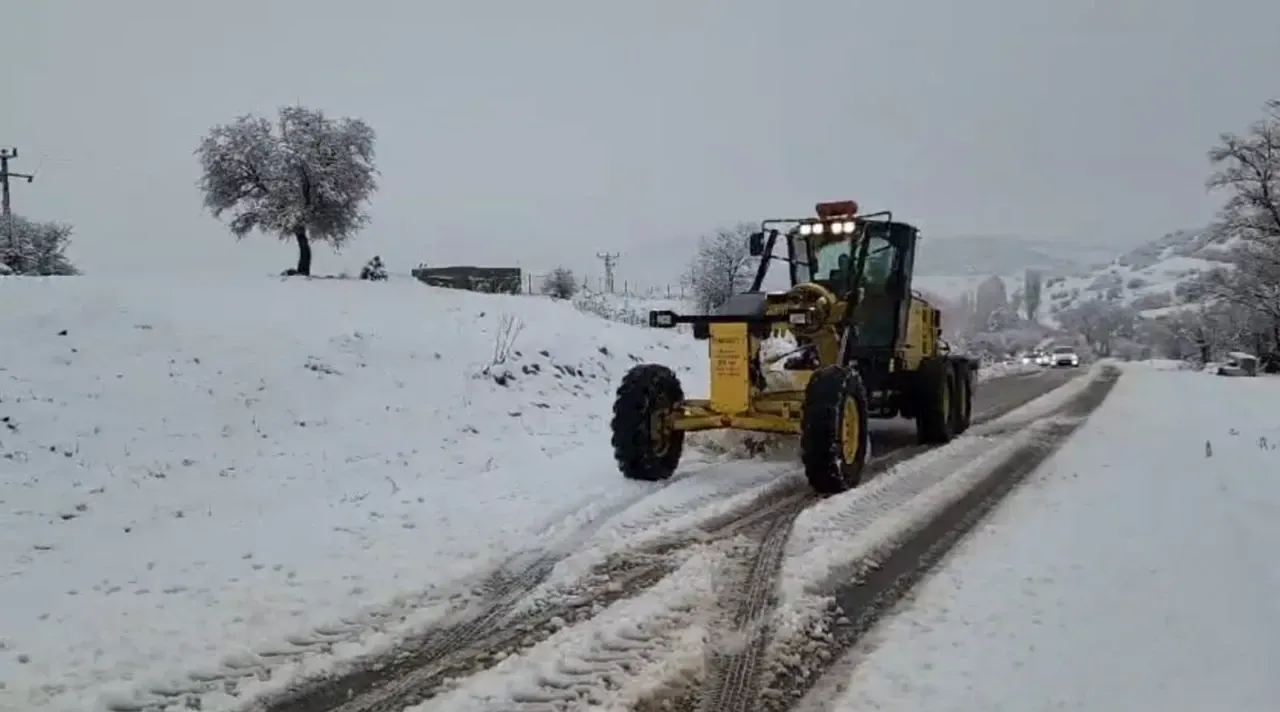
(833, 430)
(645, 442)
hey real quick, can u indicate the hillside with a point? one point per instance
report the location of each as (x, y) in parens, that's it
(1151, 278)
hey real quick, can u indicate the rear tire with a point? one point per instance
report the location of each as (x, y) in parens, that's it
(964, 397)
(935, 395)
(833, 430)
(645, 444)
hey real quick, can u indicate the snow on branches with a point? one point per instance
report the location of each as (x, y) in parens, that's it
(36, 248)
(722, 267)
(1247, 170)
(305, 177)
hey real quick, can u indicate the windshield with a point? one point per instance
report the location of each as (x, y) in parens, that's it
(1064, 350)
(835, 258)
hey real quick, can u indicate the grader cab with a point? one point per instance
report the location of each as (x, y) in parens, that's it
(863, 345)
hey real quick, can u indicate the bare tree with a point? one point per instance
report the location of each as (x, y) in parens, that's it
(560, 283)
(722, 267)
(305, 178)
(1247, 169)
(39, 248)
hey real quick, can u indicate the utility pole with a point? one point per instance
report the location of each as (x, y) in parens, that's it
(610, 262)
(6, 154)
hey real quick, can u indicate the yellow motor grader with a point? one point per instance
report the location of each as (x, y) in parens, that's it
(866, 346)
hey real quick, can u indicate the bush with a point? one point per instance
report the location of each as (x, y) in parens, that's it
(560, 284)
(38, 249)
(374, 270)
(1154, 300)
(603, 306)
(1191, 290)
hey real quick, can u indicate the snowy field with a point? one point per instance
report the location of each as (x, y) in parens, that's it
(1136, 570)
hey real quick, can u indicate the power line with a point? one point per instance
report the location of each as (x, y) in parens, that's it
(610, 262)
(6, 155)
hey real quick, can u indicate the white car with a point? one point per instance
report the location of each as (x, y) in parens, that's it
(1065, 356)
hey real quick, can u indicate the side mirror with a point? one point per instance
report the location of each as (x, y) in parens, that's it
(755, 244)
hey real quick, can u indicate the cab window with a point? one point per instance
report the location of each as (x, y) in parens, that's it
(881, 256)
(835, 258)
(801, 260)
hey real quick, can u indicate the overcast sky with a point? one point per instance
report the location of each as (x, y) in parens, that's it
(545, 132)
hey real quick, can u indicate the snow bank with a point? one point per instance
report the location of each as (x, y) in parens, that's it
(1136, 570)
(1005, 370)
(194, 472)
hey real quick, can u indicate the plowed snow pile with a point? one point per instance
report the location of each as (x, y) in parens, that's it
(193, 473)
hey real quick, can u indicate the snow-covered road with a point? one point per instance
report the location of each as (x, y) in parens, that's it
(1136, 570)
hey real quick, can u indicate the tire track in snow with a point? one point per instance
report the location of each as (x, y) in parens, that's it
(735, 679)
(417, 669)
(471, 625)
(469, 647)
(869, 587)
(736, 655)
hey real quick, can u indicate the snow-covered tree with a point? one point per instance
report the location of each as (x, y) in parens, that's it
(1002, 319)
(560, 283)
(997, 344)
(374, 270)
(722, 267)
(305, 177)
(1100, 322)
(36, 248)
(1247, 170)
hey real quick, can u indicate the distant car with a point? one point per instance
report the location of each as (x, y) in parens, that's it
(1065, 357)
